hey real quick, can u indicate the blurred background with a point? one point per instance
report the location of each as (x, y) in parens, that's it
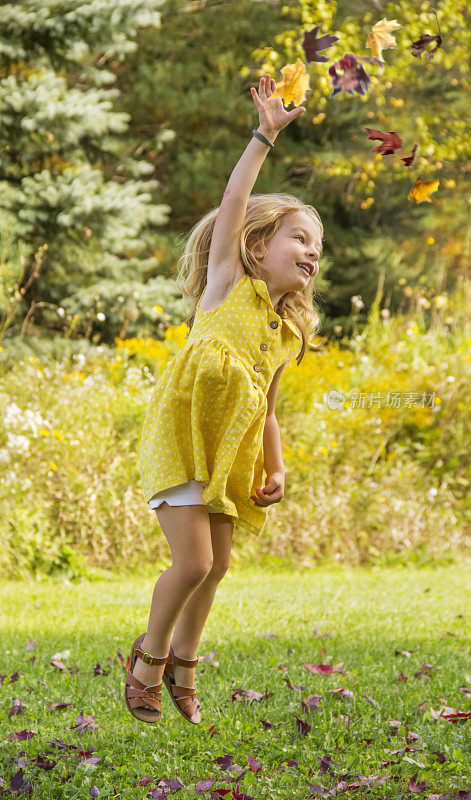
(120, 125)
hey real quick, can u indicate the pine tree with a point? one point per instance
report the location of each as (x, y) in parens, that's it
(67, 179)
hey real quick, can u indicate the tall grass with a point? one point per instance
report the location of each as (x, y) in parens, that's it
(383, 477)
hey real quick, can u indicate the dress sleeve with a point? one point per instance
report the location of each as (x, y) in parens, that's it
(293, 350)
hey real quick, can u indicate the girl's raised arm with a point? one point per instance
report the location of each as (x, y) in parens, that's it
(224, 258)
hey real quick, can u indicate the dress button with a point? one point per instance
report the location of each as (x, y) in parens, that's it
(257, 367)
(263, 346)
(273, 323)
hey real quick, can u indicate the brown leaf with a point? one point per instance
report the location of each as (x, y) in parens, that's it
(311, 44)
(354, 78)
(408, 160)
(390, 142)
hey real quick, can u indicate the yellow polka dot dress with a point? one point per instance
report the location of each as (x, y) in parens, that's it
(207, 412)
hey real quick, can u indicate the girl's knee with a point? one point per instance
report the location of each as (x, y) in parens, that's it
(194, 572)
(220, 567)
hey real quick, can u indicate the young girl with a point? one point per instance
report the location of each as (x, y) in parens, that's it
(210, 429)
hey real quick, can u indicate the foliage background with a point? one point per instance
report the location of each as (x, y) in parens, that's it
(120, 124)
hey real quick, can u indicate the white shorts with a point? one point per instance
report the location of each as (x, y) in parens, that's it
(185, 494)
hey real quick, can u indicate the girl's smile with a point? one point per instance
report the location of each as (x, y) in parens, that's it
(298, 241)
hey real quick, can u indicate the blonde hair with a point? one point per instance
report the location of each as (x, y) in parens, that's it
(264, 216)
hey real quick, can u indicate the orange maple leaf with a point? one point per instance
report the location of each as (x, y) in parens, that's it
(380, 37)
(294, 85)
(422, 189)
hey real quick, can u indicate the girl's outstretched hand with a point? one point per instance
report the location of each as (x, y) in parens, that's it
(271, 112)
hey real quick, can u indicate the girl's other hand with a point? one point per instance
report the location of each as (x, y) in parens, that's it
(273, 491)
(271, 112)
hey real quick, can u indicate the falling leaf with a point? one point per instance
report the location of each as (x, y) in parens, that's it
(390, 142)
(422, 189)
(354, 78)
(408, 160)
(294, 84)
(380, 37)
(311, 44)
(418, 47)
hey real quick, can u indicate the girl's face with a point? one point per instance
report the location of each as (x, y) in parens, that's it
(297, 240)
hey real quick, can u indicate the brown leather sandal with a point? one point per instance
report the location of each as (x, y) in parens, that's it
(143, 702)
(183, 697)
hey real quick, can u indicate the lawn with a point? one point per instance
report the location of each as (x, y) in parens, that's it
(387, 715)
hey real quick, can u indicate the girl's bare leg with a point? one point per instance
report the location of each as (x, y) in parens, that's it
(190, 623)
(189, 534)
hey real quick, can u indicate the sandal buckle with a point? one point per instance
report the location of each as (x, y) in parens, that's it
(146, 658)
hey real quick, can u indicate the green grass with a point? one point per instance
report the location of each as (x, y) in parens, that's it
(263, 625)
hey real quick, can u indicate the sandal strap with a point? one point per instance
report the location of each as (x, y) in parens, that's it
(137, 692)
(147, 658)
(183, 662)
(188, 703)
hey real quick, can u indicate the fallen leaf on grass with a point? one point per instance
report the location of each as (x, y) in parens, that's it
(43, 763)
(342, 692)
(84, 723)
(98, 670)
(17, 708)
(59, 704)
(323, 669)
(311, 702)
(17, 784)
(20, 736)
(238, 693)
(451, 714)
(302, 726)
